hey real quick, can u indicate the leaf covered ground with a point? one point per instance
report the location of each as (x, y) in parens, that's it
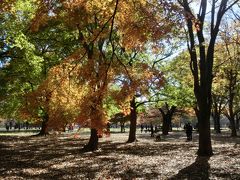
(60, 157)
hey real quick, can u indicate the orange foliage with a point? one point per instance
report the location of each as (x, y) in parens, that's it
(137, 81)
(80, 85)
(6, 5)
(137, 22)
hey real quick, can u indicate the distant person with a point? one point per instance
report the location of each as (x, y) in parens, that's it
(7, 126)
(146, 128)
(142, 128)
(10, 124)
(27, 125)
(189, 130)
(152, 131)
(70, 127)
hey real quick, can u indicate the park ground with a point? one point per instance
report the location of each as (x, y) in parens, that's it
(59, 156)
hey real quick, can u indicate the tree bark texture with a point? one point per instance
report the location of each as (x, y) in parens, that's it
(201, 63)
(133, 122)
(217, 125)
(43, 130)
(167, 118)
(93, 141)
(232, 78)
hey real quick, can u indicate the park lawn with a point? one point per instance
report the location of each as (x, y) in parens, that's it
(60, 157)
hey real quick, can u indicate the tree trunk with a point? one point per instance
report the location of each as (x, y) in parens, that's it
(217, 124)
(217, 108)
(205, 145)
(201, 63)
(233, 127)
(237, 123)
(166, 125)
(167, 118)
(93, 141)
(43, 131)
(133, 122)
(232, 78)
(216, 120)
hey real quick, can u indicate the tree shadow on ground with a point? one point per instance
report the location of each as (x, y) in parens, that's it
(60, 157)
(198, 170)
(225, 139)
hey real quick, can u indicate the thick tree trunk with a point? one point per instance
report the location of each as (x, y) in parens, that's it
(233, 127)
(217, 125)
(167, 118)
(43, 131)
(205, 145)
(133, 122)
(202, 64)
(93, 141)
(165, 126)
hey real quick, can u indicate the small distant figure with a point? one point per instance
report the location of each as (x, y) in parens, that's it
(152, 131)
(27, 125)
(108, 130)
(189, 130)
(122, 127)
(142, 128)
(10, 124)
(7, 126)
(70, 127)
(146, 128)
(158, 137)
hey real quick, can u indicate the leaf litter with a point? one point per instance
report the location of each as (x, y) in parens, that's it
(60, 157)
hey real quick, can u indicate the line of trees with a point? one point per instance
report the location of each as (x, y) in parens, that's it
(71, 61)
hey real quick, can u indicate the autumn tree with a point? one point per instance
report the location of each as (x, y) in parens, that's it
(202, 63)
(135, 88)
(230, 66)
(29, 58)
(176, 96)
(105, 28)
(120, 118)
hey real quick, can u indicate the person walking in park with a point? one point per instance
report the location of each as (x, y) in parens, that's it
(7, 126)
(152, 131)
(142, 128)
(188, 129)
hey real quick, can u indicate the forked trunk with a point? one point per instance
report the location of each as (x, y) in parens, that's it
(133, 122)
(93, 141)
(167, 118)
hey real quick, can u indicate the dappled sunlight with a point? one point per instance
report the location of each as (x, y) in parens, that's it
(61, 158)
(34, 171)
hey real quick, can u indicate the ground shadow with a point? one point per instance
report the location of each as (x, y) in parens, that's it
(198, 170)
